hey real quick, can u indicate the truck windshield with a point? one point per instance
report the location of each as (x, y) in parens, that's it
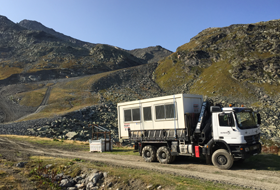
(245, 120)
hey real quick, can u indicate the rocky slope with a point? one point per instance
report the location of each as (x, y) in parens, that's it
(33, 52)
(238, 64)
(34, 25)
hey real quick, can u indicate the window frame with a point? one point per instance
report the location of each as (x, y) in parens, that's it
(131, 114)
(150, 112)
(230, 116)
(164, 104)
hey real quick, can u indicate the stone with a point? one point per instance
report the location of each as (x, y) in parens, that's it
(105, 174)
(67, 183)
(49, 166)
(110, 184)
(94, 177)
(71, 135)
(72, 188)
(77, 178)
(21, 164)
(90, 186)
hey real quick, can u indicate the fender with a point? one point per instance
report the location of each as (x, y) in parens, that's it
(211, 144)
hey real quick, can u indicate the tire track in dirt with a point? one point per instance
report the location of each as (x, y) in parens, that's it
(257, 179)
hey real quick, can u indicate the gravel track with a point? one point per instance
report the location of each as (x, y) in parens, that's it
(255, 179)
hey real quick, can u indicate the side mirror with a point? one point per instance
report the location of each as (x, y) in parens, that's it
(259, 119)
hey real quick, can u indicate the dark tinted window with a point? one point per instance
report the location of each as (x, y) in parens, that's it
(169, 111)
(147, 113)
(226, 120)
(127, 115)
(136, 114)
(160, 112)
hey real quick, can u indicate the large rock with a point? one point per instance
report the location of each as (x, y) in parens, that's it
(71, 135)
(67, 183)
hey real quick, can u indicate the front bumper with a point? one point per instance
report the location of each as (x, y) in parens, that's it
(246, 151)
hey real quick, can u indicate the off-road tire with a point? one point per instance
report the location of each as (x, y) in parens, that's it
(222, 159)
(149, 153)
(164, 155)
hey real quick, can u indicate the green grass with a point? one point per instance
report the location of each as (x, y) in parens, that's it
(262, 162)
(122, 151)
(31, 98)
(50, 143)
(217, 79)
(66, 97)
(168, 74)
(7, 71)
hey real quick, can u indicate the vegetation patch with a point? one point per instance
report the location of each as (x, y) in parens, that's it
(52, 143)
(31, 98)
(7, 71)
(216, 79)
(170, 74)
(69, 96)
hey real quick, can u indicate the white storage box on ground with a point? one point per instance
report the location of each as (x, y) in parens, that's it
(99, 145)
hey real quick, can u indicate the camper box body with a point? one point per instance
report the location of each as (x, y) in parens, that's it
(158, 113)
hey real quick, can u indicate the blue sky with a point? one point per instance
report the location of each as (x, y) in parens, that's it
(131, 24)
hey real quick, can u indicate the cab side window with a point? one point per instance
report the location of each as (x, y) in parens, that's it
(225, 119)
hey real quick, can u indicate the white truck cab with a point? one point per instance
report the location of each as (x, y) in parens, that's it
(235, 125)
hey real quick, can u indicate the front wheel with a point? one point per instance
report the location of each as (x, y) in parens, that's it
(222, 159)
(164, 155)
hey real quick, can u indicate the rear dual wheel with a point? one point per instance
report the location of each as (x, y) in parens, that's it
(164, 155)
(149, 153)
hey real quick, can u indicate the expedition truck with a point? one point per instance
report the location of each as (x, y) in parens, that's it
(162, 128)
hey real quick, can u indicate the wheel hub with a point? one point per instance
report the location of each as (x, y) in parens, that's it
(148, 154)
(222, 160)
(163, 155)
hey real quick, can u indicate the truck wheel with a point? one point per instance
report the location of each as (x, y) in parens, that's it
(149, 153)
(163, 155)
(222, 159)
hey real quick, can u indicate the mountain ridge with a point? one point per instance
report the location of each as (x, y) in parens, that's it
(30, 47)
(237, 64)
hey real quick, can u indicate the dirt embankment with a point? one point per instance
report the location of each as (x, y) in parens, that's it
(250, 178)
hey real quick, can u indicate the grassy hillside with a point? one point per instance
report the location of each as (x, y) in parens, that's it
(65, 97)
(235, 61)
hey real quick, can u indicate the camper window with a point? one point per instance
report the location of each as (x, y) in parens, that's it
(132, 114)
(127, 115)
(136, 114)
(160, 112)
(169, 111)
(165, 111)
(147, 113)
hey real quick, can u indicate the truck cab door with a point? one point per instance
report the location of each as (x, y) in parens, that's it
(226, 129)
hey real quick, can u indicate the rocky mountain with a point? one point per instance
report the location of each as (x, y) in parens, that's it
(33, 52)
(34, 25)
(237, 64)
(150, 54)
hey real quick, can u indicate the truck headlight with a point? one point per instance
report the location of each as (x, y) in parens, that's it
(247, 149)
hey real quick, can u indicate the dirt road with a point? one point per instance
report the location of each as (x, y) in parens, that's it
(251, 178)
